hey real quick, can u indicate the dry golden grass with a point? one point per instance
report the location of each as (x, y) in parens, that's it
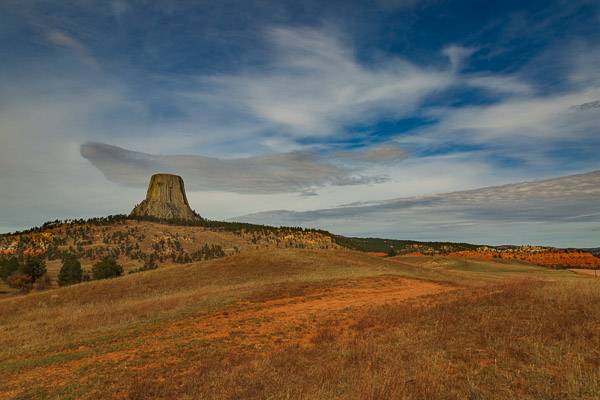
(173, 292)
(308, 325)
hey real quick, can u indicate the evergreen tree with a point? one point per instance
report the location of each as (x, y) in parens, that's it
(35, 267)
(71, 271)
(106, 268)
(8, 266)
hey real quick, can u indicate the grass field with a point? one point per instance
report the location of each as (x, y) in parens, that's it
(309, 324)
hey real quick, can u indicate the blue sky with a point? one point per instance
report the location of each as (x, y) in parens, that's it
(301, 106)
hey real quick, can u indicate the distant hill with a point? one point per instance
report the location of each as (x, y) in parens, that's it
(127, 236)
(135, 240)
(400, 247)
(593, 251)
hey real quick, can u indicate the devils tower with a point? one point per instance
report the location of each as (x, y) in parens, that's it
(165, 199)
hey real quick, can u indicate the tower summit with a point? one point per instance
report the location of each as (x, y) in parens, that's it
(165, 199)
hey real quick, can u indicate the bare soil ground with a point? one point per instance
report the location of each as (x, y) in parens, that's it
(295, 319)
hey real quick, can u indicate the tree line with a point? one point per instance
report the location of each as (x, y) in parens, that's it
(31, 272)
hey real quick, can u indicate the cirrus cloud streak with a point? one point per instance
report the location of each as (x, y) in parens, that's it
(548, 208)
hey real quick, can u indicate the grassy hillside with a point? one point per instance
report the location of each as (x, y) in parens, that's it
(132, 242)
(135, 242)
(309, 324)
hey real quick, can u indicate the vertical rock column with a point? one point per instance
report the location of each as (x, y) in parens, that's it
(165, 199)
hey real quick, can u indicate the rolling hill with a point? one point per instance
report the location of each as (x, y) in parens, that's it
(308, 324)
(134, 241)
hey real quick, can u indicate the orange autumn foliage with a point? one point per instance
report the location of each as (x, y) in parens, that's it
(571, 258)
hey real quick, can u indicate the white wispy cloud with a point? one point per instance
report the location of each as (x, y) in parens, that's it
(458, 55)
(547, 117)
(505, 85)
(73, 46)
(552, 205)
(270, 173)
(314, 85)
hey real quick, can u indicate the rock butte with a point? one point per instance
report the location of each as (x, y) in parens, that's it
(165, 199)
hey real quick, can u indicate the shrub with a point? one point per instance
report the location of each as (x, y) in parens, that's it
(44, 283)
(148, 266)
(22, 282)
(106, 268)
(71, 272)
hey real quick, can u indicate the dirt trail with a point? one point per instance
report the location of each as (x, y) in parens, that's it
(295, 318)
(589, 272)
(261, 326)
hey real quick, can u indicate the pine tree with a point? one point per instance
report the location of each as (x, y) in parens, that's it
(35, 267)
(71, 272)
(8, 266)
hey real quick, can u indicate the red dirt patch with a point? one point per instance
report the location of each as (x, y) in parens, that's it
(296, 318)
(377, 254)
(415, 253)
(318, 314)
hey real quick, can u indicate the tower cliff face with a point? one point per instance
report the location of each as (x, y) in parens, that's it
(165, 199)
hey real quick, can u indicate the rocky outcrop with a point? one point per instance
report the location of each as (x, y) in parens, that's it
(165, 199)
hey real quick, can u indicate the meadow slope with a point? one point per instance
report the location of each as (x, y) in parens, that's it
(309, 324)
